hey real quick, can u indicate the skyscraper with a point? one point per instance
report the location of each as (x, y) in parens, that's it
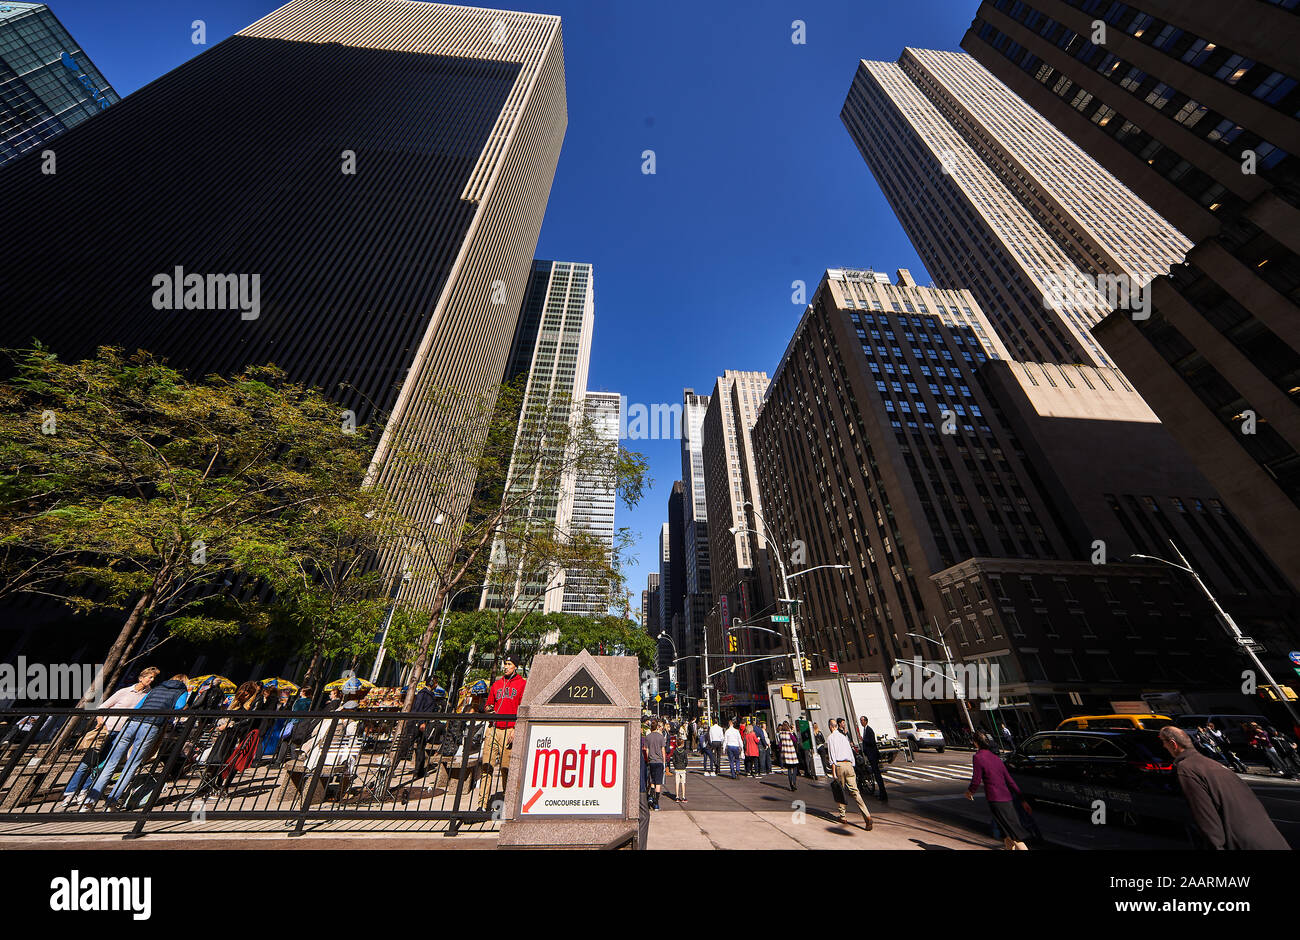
(587, 592)
(384, 230)
(699, 583)
(552, 347)
(47, 82)
(737, 562)
(996, 200)
(1193, 104)
(960, 499)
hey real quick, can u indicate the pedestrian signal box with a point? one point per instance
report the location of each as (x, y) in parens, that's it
(788, 693)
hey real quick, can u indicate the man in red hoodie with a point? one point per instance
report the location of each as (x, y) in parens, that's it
(503, 699)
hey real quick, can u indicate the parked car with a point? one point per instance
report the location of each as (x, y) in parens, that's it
(1128, 770)
(1115, 723)
(919, 734)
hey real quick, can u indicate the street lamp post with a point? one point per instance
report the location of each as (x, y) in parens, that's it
(677, 703)
(442, 622)
(388, 620)
(956, 685)
(1241, 639)
(785, 589)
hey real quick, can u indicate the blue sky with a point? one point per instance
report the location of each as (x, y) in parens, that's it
(757, 181)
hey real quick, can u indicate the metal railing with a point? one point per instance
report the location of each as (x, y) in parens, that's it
(347, 764)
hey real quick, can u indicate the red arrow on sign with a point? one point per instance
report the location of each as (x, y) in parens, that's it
(534, 799)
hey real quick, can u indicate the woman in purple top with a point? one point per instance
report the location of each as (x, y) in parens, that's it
(998, 787)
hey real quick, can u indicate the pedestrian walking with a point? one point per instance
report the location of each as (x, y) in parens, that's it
(819, 742)
(764, 749)
(992, 774)
(751, 752)
(734, 743)
(655, 760)
(788, 751)
(716, 735)
(706, 750)
(1226, 812)
(841, 755)
(680, 757)
(129, 697)
(871, 758)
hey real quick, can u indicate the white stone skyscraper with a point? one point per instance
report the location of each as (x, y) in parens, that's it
(998, 201)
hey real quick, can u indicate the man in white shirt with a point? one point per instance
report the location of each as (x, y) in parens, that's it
(731, 738)
(841, 755)
(715, 745)
(107, 729)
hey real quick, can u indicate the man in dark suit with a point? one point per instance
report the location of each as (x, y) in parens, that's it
(871, 754)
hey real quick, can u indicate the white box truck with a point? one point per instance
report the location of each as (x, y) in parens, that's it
(841, 695)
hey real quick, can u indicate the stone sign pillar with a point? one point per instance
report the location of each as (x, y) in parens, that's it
(575, 765)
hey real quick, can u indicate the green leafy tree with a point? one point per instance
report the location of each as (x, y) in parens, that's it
(128, 486)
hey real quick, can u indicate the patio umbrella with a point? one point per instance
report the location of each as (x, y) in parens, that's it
(338, 683)
(226, 685)
(279, 684)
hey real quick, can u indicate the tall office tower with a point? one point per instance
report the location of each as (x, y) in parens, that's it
(996, 200)
(737, 561)
(882, 446)
(47, 82)
(652, 599)
(1193, 104)
(674, 592)
(552, 347)
(586, 592)
(383, 231)
(665, 574)
(698, 599)
(645, 607)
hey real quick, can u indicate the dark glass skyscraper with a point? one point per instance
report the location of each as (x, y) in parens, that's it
(47, 82)
(378, 168)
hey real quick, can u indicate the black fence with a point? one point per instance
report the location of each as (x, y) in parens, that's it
(347, 764)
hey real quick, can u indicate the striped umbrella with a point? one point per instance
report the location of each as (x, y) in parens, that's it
(279, 684)
(202, 681)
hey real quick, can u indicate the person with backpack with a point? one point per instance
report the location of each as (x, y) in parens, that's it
(764, 749)
(751, 751)
(136, 742)
(129, 697)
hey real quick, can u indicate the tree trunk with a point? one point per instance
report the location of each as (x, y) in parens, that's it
(422, 651)
(126, 637)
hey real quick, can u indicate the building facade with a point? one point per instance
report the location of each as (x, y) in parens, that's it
(887, 444)
(589, 592)
(385, 250)
(47, 81)
(1193, 104)
(697, 601)
(550, 355)
(737, 560)
(996, 200)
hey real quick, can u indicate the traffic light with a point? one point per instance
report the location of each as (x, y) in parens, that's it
(807, 664)
(732, 646)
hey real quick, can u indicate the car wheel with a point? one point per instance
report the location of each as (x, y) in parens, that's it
(938, 748)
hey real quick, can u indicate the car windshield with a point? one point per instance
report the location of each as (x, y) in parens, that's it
(926, 726)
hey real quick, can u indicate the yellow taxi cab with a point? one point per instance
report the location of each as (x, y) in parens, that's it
(1115, 723)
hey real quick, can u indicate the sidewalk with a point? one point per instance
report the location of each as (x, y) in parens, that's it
(762, 813)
